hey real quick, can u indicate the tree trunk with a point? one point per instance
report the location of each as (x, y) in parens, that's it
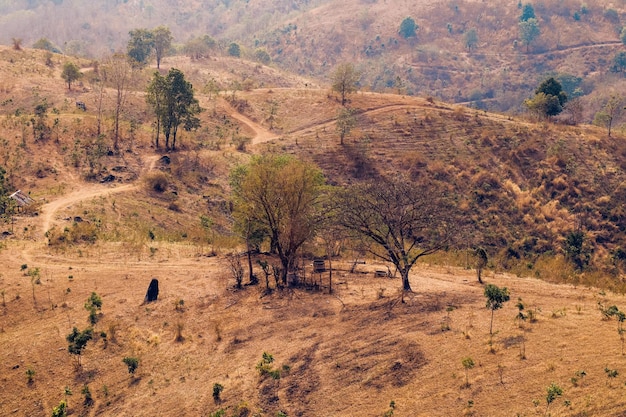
(491, 323)
(404, 273)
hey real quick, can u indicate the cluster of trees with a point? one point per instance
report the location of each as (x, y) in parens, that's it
(287, 202)
(144, 42)
(172, 100)
(548, 100)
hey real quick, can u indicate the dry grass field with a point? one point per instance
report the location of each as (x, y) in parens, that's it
(348, 354)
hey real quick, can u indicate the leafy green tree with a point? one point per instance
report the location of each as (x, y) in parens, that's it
(543, 105)
(162, 37)
(281, 196)
(528, 12)
(140, 46)
(471, 39)
(234, 50)
(173, 102)
(611, 110)
(570, 84)
(408, 27)
(345, 122)
(549, 98)
(78, 341)
(70, 74)
(399, 220)
(552, 87)
(345, 79)
(156, 98)
(496, 297)
(529, 31)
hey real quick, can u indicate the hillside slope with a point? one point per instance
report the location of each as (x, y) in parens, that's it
(310, 38)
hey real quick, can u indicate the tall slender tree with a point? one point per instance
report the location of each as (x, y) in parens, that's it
(345, 79)
(118, 72)
(162, 37)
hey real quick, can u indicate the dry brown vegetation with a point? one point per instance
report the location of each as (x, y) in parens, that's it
(521, 185)
(311, 37)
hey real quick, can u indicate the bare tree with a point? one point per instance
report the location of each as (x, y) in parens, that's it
(118, 72)
(402, 221)
(610, 111)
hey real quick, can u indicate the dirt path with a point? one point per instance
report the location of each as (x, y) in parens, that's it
(261, 134)
(86, 192)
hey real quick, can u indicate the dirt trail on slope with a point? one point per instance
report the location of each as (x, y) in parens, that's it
(89, 191)
(261, 134)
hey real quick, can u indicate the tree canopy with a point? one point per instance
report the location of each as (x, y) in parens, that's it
(408, 27)
(234, 50)
(471, 39)
(345, 79)
(529, 31)
(162, 37)
(399, 220)
(548, 100)
(140, 45)
(173, 102)
(279, 196)
(70, 74)
(496, 297)
(528, 12)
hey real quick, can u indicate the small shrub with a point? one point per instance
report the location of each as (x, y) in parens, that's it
(553, 391)
(60, 410)
(392, 407)
(265, 367)
(468, 363)
(217, 392)
(156, 181)
(30, 375)
(611, 373)
(93, 305)
(88, 397)
(132, 363)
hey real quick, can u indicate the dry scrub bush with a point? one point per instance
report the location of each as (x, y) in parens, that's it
(156, 181)
(82, 232)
